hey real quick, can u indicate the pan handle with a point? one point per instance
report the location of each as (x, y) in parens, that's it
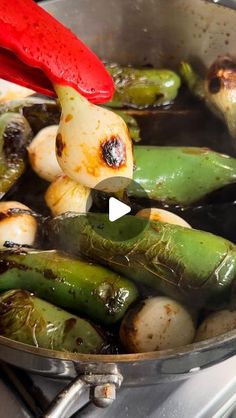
(102, 393)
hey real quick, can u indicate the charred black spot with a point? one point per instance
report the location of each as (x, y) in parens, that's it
(159, 96)
(59, 145)
(15, 139)
(79, 341)
(114, 152)
(4, 266)
(49, 274)
(69, 324)
(214, 85)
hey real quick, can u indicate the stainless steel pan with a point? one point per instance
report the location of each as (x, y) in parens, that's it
(158, 32)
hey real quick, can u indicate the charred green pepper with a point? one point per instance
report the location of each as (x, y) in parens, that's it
(180, 175)
(25, 318)
(15, 135)
(70, 283)
(143, 87)
(218, 89)
(195, 267)
(131, 123)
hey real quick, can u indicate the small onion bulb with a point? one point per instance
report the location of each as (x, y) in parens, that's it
(65, 195)
(161, 215)
(12, 91)
(216, 323)
(42, 154)
(17, 228)
(93, 143)
(156, 324)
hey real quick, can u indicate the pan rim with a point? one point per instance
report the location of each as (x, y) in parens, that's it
(190, 349)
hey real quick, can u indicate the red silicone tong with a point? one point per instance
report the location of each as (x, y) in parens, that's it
(36, 51)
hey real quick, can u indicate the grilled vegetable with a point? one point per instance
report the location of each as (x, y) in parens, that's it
(180, 176)
(161, 215)
(142, 87)
(39, 112)
(216, 323)
(218, 89)
(132, 125)
(25, 318)
(92, 143)
(156, 324)
(69, 283)
(195, 267)
(16, 226)
(65, 195)
(42, 154)
(15, 134)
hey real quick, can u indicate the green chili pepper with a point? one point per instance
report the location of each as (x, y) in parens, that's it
(143, 87)
(180, 175)
(195, 267)
(70, 283)
(218, 89)
(131, 123)
(15, 135)
(25, 318)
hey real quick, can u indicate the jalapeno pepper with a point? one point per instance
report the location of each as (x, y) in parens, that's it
(195, 267)
(70, 283)
(25, 318)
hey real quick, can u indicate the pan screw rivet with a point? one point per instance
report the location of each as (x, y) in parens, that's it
(104, 395)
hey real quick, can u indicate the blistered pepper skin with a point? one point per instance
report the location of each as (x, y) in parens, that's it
(180, 176)
(144, 87)
(25, 318)
(39, 41)
(70, 283)
(194, 267)
(15, 135)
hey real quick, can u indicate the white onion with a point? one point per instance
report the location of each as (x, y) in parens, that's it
(65, 195)
(156, 324)
(216, 323)
(18, 228)
(42, 154)
(93, 143)
(161, 215)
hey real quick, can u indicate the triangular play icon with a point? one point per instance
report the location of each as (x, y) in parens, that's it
(117, 209)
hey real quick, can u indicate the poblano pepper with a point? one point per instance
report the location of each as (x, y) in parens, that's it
(69, 283)
(180, 175)
(15, 135)
(195, 267)
(142, 87)
(25, 318)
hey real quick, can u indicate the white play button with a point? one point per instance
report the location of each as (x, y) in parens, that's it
(117, 209)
